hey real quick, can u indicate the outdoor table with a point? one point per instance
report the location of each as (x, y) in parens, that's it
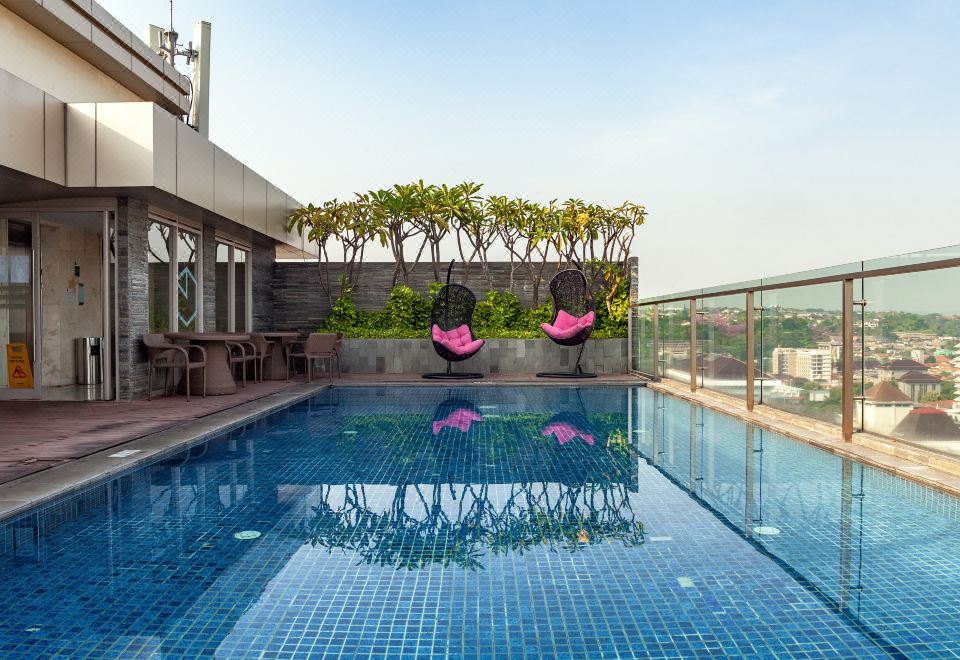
(277, 364)
(219, 374)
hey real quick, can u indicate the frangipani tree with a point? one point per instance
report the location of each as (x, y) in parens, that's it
(414, 219)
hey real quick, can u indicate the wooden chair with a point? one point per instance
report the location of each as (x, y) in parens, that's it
(164, 354)
(317, 346)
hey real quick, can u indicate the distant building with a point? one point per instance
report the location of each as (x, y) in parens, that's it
(884, 407)
(927, 424)
(834, 346)
(813, 364)
(898, 368)
(916, 384)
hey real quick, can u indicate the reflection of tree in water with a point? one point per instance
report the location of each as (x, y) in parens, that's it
(534, 514)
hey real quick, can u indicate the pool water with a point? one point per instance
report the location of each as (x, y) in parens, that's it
(488, 521)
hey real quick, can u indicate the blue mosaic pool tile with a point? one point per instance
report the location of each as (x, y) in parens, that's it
(488, 522)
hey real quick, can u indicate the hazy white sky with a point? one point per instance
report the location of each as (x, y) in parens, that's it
(763, 137)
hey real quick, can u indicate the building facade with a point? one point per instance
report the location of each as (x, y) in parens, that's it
(814, 364)
(117, 218)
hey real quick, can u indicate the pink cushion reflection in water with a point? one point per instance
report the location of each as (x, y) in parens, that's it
(458, 341)
(460, 419)
(565, 433)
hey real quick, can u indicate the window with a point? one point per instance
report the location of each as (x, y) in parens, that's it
(175, 301)
(188, 281)
(222, 286)
(233, 288)
(158, 276)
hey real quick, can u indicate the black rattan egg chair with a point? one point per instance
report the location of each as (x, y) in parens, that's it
(453, 312)
(572, 299)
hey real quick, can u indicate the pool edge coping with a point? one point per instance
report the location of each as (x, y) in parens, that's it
(863, 449)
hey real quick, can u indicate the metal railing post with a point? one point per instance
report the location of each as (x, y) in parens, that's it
(751, 357)
(693, 345)
(846, 373)
(656, 341)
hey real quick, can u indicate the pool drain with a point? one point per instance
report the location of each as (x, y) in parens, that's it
(766, 531)
(247, 535)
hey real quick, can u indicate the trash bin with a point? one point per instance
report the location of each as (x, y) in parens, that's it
(89, 359)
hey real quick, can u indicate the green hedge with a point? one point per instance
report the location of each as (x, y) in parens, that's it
(499, 316)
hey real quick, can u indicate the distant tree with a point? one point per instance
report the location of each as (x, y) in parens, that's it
(948, 390)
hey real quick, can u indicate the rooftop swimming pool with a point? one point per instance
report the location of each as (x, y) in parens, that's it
(488, 521)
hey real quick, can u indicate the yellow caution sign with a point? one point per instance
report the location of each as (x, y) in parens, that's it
(18, 366)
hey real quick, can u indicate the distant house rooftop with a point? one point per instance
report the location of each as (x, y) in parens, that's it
(886, 392)
(901, 365)
(918, 377)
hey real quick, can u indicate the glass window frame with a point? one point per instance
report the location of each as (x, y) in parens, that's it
(233, 247)
(173, 239)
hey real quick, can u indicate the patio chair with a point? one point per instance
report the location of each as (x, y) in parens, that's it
(317, 346)
(242, 353)
(574, 317)
(263, 351)
(450, 328)
(164, 354)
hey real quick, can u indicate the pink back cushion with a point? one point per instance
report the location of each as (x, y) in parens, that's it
(458, 340)
(567, 325)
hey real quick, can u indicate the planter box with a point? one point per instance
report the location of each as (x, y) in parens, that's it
(505, 356)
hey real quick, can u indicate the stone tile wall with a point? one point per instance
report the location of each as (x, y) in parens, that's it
(412, 356)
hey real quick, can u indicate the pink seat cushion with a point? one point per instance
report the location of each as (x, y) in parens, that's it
(458, 341)
(565, 433)
(460, 419)
(567, 325)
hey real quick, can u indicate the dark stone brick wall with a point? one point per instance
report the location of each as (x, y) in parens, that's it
(210, 289)
(133, 301)
(300, 301)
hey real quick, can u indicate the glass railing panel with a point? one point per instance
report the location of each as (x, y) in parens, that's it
(911, 338)
(851, 268)
(693, 293)
(799, 347)
(917, 258)
(643, 345)
(674, 340)
(722, 343)
(736, 286)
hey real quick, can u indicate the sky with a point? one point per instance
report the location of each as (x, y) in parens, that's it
(762, 137)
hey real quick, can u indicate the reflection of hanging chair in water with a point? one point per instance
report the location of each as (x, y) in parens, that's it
(456, 414)
(567, 426)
